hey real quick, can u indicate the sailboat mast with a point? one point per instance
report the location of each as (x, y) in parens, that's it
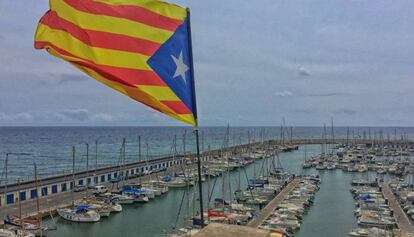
(332, 136)
(6, 177)
(347, 136)
(139, 148)
(37, 196)
(73, 176)
(87, 169)
(96, 157)
(306, 146)
(202, 141)
(228, 165)
(184, 145)
(123, 158)
(325, 137)
(20, 204)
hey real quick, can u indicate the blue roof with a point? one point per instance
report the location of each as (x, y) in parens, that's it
(81, 208)
(133, 191)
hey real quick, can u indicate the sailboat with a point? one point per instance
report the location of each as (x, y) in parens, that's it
(177, 179)
(33, 225)
(82, 213)
(135, 191)
(306, 164)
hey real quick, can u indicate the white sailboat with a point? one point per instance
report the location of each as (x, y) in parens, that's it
(81, 214)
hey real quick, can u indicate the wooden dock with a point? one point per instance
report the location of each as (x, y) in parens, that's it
(271, 206)
(404, 224)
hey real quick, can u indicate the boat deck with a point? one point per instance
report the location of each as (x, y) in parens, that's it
(404, 224)
(271, 206)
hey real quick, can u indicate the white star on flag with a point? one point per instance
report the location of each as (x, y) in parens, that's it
(182, 68)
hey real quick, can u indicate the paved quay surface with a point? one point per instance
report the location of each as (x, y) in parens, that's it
(50, 204)
(404, 224)
(271, 206)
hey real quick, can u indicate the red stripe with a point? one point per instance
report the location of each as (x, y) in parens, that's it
(100, 39)
(177, 106)
(126, 76)
(133, 13)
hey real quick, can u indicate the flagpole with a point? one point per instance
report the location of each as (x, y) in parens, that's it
(200, 188)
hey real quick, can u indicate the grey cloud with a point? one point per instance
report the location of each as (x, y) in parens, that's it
(348, 111)
(284, 93)
(326, 94)
(303, 111)
(81, 116)
(77, 114)
(304, 72)
(68, 78)
(23, 116)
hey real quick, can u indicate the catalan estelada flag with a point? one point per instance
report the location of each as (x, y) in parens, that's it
(140, 48)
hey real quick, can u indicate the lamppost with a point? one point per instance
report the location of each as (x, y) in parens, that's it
(6, 161)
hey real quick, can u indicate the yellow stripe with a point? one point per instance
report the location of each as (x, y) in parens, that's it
(101, 56)
(64, 57)
(187, 118)
(126, 90)
(160, 92)
(116, 86)
(109, 24)
(161, 8)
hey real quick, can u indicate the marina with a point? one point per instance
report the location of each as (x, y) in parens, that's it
(265, 158)
(178, 118)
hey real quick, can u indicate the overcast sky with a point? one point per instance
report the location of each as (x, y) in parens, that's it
(255, 63)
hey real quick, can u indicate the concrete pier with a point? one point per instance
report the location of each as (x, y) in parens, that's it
(271, 206)
(404, 224)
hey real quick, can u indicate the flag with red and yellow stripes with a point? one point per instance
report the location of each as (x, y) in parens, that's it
(140, 48)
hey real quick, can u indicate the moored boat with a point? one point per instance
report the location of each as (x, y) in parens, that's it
(82, 213)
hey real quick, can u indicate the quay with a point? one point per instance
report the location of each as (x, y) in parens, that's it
(271, 206)
(50, 204)
(403, 223)
(63, 184)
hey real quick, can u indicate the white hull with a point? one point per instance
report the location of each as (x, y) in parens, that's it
(126, 201)
(142, 199)
(70, 215)
(116, 208)
(177, 185)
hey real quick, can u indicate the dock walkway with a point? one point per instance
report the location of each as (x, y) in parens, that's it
(404, 224)
(50, 204)
(271, 206)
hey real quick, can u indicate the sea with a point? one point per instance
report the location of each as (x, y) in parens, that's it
(51, 149)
